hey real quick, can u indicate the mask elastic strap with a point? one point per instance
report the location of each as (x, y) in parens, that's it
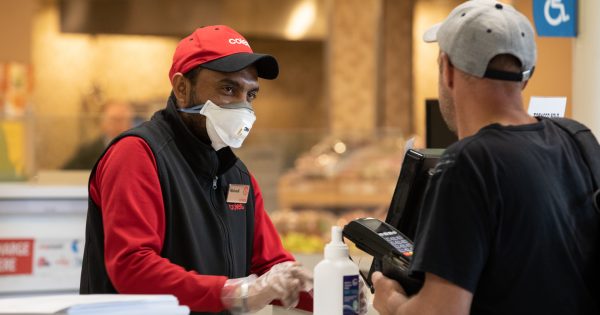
(192, 110)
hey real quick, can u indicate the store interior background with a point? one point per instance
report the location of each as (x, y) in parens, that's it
(330, 131)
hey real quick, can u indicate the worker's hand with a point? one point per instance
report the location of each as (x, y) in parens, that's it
(389, 295)
(286, 280)
(282, 282)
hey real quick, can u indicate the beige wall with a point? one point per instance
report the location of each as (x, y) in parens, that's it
(586, 67)
(554, 70)
(15, 23)
(553, 73)
(69, 67)
(295, 99)
(425, 71)
(352, 60)
(396, 64)
(369, 67)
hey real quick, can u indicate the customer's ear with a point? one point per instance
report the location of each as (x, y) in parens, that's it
(446, 70)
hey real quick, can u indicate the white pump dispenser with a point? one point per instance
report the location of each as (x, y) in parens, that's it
(336, 289)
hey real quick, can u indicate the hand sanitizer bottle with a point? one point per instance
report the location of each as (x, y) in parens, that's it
(336, 289)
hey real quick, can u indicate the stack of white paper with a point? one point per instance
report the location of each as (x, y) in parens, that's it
(114, 304)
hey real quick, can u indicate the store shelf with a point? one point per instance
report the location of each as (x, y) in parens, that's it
(333, 183)
(296, 192)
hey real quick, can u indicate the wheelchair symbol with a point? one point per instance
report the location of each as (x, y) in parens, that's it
(561, 17)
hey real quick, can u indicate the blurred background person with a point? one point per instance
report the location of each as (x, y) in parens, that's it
(116, 116)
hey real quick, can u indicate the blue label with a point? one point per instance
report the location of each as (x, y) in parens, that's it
(555, 18)
(351, 299)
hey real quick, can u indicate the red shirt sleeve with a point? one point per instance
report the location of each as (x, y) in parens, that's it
(267, 248)
(127, 189)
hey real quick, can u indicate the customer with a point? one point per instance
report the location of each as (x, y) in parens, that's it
(115, 117)
(174, 211)
(508, 225)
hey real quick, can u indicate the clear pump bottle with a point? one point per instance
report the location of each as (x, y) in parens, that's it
(336, 288)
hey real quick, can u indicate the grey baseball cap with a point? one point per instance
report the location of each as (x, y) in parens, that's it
(478, 30)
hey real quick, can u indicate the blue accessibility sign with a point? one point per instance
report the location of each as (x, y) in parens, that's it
(555, 18)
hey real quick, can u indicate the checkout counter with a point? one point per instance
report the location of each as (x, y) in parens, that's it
(42, 230)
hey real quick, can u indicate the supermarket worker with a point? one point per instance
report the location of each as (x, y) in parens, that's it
(172, 210)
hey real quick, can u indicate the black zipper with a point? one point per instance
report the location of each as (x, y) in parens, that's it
(223, 227)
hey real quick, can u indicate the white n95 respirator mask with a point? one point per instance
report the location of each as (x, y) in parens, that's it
(227, 125)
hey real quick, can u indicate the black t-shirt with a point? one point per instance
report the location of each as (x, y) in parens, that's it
(508, 216)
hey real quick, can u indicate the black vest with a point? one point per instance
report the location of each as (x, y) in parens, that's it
(202, 233)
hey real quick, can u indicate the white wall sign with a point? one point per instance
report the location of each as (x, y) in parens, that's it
(551, 107)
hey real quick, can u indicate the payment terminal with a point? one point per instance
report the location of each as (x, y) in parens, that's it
(386, 243)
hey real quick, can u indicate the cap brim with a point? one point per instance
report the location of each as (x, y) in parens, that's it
(430, 35)
(266, 65)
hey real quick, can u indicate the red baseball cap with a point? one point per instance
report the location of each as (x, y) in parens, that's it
(220, 48)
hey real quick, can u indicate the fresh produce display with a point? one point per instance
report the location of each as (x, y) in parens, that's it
(307, 231)
(336, 181)
(303, 231)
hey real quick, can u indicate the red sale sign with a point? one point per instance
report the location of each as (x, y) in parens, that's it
(16, 256)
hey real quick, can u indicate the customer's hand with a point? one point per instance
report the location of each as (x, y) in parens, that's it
(282, 282)
(389, 295)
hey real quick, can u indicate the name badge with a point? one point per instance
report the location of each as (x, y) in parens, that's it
(238, 193)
